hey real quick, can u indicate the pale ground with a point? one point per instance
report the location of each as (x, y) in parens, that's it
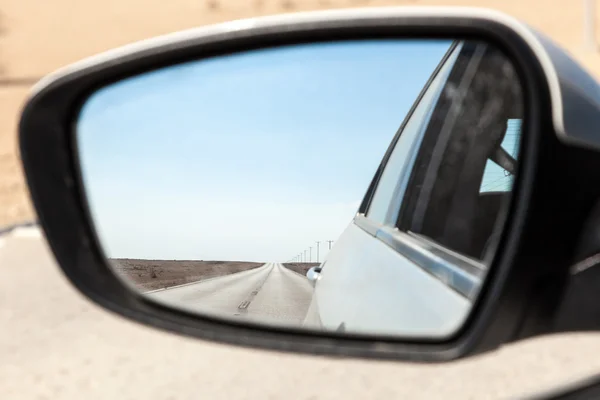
(54, 344)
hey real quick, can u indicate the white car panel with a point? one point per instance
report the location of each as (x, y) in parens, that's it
(367, 287)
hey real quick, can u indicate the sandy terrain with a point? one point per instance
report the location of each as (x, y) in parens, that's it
(37, 37)
(158, 274)
(56, 344)
(301, 268)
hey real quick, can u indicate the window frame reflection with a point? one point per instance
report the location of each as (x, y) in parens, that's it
(463, 273)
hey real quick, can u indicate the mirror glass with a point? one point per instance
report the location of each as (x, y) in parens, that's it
(350, 186)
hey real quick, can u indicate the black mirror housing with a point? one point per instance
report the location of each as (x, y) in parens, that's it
(555, 189)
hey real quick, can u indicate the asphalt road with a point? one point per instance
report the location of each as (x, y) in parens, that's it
(55, 344)
(268, 294)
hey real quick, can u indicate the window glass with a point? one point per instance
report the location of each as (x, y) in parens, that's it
(465, 167)
(405, 149)
(496, 178)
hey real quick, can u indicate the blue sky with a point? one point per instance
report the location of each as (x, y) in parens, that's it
(252, 156)
(496, 178)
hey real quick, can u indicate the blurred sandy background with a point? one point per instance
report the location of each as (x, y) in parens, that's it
(38, 36)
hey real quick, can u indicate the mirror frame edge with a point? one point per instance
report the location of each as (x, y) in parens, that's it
(51, 170)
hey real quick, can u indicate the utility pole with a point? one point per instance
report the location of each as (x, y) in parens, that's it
(304, 255)
(310, 254)
(329, 241)
(589, 25)
(318, 251)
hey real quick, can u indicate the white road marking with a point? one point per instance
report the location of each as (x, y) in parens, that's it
(246, 303)
(27, 232)
(33, 232)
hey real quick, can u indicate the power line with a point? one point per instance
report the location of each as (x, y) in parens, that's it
(302, 256)
(318, 251)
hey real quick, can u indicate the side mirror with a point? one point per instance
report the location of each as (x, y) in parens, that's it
(313, 275)
(173, 176)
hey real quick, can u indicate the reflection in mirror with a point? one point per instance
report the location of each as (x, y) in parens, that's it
(355, 186)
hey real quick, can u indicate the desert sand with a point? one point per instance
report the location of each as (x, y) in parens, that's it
(158, 274)
(38, 37)
(301, 268)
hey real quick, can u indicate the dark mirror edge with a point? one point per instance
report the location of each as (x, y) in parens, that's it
(47, 147)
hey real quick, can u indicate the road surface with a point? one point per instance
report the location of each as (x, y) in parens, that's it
(268, 294)
(55, 344)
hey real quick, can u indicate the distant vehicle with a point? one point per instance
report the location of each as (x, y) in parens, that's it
(428, 217)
